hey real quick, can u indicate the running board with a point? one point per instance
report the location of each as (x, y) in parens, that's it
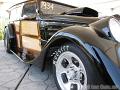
(29, 62)
(17, 56)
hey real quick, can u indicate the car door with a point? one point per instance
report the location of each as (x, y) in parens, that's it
(29, 31)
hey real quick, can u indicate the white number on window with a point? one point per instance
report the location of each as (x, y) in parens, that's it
(47, 5)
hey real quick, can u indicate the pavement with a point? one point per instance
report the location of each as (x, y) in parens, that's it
(16, 75)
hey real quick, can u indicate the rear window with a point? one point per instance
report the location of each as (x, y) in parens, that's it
(29, 9)
(50, 7)
(15, 12)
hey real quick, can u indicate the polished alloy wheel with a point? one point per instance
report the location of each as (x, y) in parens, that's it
(70, 72)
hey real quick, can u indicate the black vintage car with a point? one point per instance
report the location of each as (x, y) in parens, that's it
(83, 50)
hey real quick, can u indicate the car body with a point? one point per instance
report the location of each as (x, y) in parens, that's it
(38, 28)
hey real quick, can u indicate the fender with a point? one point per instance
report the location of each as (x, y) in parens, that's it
(76, 35)
(10, 31)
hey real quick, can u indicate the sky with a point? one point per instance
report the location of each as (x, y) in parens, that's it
(106, 7)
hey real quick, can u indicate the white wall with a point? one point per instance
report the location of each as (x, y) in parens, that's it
(103, 6)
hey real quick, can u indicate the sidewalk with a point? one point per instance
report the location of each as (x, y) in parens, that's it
(16, 75)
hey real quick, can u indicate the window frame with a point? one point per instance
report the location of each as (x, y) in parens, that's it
(15, 8)
(27, 3)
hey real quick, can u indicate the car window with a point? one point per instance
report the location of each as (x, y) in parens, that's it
(12, 15)
(29, 9)
(54, 8)
(16, 12)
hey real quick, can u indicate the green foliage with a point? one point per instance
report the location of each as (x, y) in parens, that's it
(3, 23)
(1, 35)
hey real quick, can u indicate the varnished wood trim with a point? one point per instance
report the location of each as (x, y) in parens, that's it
(32, 50)
(20, 36)
(17, 32)
(31, 43)
(32, 36)
(29, 27)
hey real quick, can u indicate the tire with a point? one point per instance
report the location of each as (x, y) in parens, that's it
(72, 69)
(7, 42)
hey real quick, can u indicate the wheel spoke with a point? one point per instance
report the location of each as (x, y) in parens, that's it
(68, 85)
(74, 87)
(61, 68)
(79, 86)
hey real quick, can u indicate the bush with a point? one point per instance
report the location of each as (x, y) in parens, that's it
(1, 35)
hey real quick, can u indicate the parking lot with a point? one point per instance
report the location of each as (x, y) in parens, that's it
(16, 75)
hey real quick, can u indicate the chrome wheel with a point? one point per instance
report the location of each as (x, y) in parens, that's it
(70, 72)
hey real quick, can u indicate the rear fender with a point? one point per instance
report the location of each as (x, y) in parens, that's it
(10, 32)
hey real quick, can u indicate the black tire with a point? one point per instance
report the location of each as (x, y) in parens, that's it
(93, 77)
(7, 42)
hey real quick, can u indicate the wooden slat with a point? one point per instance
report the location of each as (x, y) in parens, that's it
(18, 40)
(30, 28)
(32, 36)
(17, 26)
(31, 43)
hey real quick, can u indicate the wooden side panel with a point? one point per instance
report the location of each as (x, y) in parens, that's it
(30, 36)
(31, 43)
(17, 30)
(17, 26)
(29, 27)
(18, 40)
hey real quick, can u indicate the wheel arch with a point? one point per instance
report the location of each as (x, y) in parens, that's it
(10, 31)
(64, 37)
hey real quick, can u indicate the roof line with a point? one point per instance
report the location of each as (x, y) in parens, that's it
(47, 1)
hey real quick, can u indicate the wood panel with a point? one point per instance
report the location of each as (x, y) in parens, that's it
(31, 43)
(30, 38)
(17, 25)
(17, 30)
(18, 40)
(29, 27)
